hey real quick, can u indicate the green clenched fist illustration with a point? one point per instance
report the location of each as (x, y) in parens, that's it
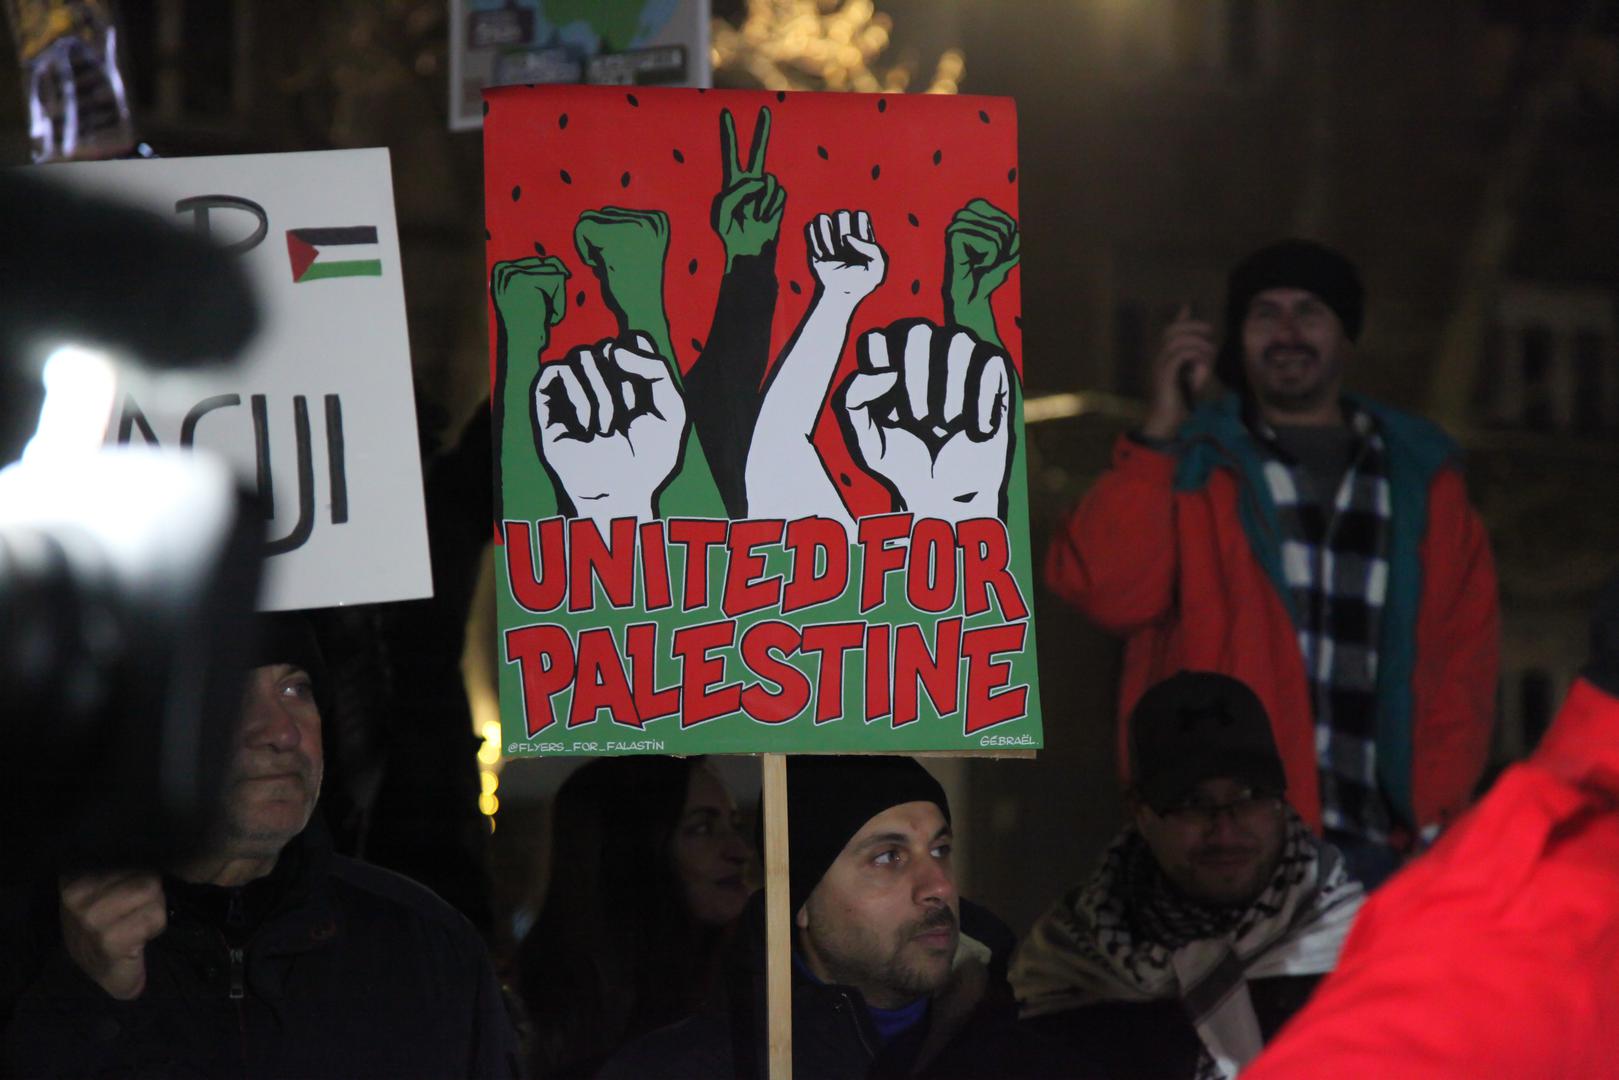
(981, 245)
(530, 297)
(626, 250)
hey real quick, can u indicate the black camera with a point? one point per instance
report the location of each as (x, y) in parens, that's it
(127, 576)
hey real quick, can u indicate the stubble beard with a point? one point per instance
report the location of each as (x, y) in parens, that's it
(904, 971)
(1300, 398)
(243, 832)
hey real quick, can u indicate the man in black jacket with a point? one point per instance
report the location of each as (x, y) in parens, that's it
(893, 975)
(269, 955)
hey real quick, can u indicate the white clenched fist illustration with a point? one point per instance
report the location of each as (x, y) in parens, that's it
(843, 254)
(928, 413)
(612, 424)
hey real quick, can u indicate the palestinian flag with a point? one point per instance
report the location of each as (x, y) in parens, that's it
(312, 252)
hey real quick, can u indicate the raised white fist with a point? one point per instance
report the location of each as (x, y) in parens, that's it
(612, 424)
(927, 413)
(843, 254)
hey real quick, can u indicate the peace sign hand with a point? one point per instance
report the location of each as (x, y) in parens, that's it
(747, 212)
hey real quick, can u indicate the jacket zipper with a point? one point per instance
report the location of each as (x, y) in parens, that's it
(238, 994)
(848, 1006)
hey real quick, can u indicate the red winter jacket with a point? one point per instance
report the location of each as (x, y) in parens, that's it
(1497, 953)
(1177, 551)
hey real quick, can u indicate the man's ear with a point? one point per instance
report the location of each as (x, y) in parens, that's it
(801, 917)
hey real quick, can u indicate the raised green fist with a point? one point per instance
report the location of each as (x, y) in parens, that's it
(747, 212)
(620, 244)
(531, 296)
(626, 250)
(981, 244)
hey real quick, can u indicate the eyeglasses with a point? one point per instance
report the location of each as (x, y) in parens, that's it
(1248, 808)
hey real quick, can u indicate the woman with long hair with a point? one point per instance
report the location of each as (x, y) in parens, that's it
(648, 870)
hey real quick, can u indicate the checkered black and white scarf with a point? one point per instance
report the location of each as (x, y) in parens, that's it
(1127, 935)
(1335, 562)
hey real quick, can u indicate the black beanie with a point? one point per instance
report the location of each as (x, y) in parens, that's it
(1290, 264)
(830, 799)
(288, 637)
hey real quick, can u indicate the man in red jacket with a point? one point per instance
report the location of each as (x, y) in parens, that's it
(1496, 953)
(1315, 545)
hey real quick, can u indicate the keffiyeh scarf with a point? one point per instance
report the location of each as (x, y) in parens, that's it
(1127, 935)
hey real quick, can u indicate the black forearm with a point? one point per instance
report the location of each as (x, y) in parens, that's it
(723, 386)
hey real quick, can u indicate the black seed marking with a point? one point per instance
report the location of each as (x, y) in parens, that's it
(517, 192)
(539, 249)
(691, 267)
(562, 121)
(821, 150)
(695, 344)
(1011, 175)
(579, 299)
(938, 156)
(566, 179)
(845, 478)
(876, 171)
(781, 95)
(702, 89)
(1019, 320)
(680, 157)
(882, 104)
(486, 235)
(797, 289)
(916, 286)
(486, 108)
(631, 99)
(912, 219)
(984, 116)
(624, 181)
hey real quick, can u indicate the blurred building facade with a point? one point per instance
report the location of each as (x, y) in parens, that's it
(1462, 153)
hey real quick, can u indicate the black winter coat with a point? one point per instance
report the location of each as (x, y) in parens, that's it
(328, 967)
(971, 1032)
(1156, 1040)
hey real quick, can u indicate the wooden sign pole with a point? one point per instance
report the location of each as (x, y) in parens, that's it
(778, 919)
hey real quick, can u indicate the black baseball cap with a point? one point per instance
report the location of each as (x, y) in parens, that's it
(1196, 726)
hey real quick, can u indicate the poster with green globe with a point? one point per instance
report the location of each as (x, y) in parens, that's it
(612, 42)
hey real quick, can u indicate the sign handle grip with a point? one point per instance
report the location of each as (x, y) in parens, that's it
(778, 919)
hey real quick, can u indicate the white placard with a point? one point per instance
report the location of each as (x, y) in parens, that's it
(319, 409)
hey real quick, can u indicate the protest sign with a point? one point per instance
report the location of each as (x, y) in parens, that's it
(607, 42)
(319, 414)
(757, 367)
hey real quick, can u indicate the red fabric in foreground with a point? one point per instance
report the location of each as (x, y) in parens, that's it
(1496, 954)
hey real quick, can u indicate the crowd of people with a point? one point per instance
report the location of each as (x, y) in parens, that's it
(1302, 886)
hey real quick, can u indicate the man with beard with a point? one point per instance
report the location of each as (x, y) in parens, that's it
(268, 954)
(1212, 916)
(893, 973)
(1314, 544)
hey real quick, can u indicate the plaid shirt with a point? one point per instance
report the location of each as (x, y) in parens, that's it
(1335, 562)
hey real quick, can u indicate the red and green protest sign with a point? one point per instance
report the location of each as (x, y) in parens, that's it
(758, 416)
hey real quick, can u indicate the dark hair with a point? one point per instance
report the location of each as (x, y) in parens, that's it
(615, 951)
